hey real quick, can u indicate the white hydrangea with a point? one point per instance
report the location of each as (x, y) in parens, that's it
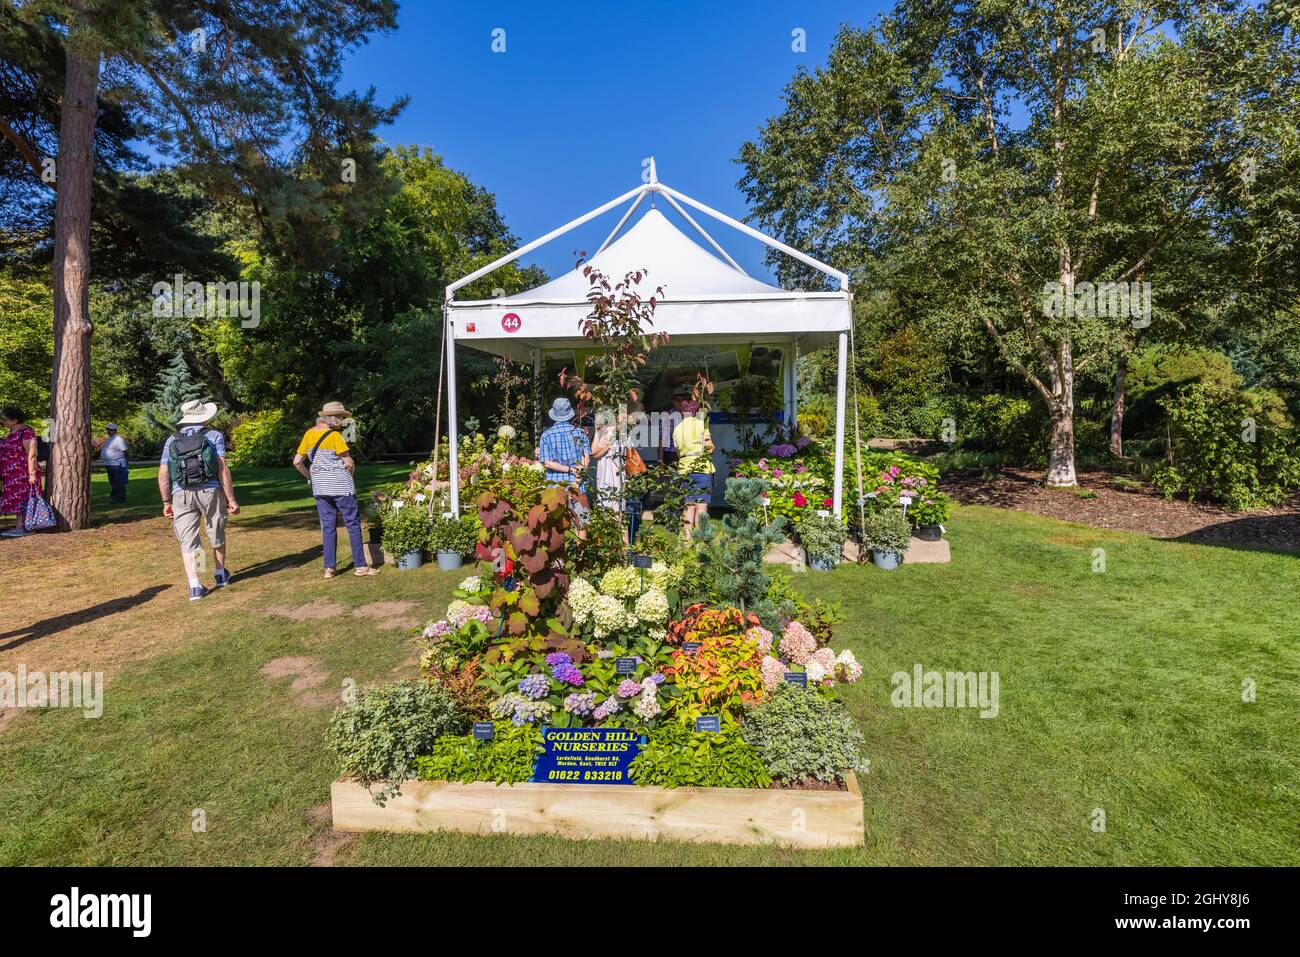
(610, 616)
(652, 607)
(664, 577)
(621, 581)
(456, 605)
(582, 600)
(506, 432)
(473, 583)
(815, 671)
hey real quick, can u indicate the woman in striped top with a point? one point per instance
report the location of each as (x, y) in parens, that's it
(324, 459)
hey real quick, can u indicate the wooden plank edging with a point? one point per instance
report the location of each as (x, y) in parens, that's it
(795, 818)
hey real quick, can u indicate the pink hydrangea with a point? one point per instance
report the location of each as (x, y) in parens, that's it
(824, 657)
(465, 613)
(773, 672)
(797, 643)
(627, 688)
(762, 637)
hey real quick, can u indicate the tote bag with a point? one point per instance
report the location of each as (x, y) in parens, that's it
(37, 513)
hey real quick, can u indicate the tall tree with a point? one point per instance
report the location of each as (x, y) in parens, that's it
(244, 96)
(989, 161)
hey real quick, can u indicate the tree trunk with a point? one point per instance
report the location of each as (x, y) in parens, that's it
(1117, 407)
(1060, 466)
(70, 384)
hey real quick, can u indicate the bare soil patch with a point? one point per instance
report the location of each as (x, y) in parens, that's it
(325, 841)
(317, 610)
(387, 614)
(1130, 509)
(308, 675)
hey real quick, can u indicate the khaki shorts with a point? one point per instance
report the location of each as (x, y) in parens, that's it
(194, 507)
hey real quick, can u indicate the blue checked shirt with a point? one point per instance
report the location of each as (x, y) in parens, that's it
(564, 443)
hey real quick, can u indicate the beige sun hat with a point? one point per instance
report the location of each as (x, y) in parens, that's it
(196, 412)
(335, 408)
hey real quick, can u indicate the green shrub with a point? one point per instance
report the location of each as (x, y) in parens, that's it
(262, 440)
(675, 756)
(454, 534)
(887, 532)
(801, 736)
(1156, 373)
(378, 738)
(506, 759)
(1214, 458)
(822, 537)
(1015, 427)
(405, 530)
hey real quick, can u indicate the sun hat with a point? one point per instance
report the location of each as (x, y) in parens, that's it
(111, 427)
(196, 412)
(335, 408)
(560, 411)
(681, 391)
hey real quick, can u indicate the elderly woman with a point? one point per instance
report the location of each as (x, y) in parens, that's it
(19, 470)
(325, 460)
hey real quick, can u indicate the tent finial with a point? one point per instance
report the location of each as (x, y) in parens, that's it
(654, 177)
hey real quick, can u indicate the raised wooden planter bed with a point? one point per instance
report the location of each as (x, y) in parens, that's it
(729, 815)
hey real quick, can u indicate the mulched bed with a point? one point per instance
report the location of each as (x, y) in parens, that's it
(810, 784)
(1134, 510)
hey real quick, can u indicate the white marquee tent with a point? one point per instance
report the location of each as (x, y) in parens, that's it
(706, 299)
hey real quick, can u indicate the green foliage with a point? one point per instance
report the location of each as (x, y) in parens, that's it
(602, 548)
(1156, 373)
(887, 531)
(801, 735)
(176, 385)
(1223, 452)
(506, 759)
(1006, 424)
(263, 440)
(405, 530)
(457, 535)
(378, 738)
(664, 487)
(675, 756)
(930, 508)
(822, 537)
(733, 554)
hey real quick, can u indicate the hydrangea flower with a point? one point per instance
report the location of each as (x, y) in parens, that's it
(611, 615)
(535, 686)
(803, 442)
(437, 629)
(582, 600)
(606, 708)
(797, 643)
(627, 688)
(646, 707)
(649, 686)
(847, 668)
(621, 581)
(762, 637)
(580, 704)
(520, 710)
(472, 584)
(825, 658)
(782, 450)
(652, 607)
(662, 576)
(815, 671)
(465, 613)
(773, 672)
(506, 432)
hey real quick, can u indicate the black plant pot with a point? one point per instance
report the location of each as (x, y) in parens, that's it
(929, 533)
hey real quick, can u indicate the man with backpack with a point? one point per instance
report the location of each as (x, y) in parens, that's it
(197, 489)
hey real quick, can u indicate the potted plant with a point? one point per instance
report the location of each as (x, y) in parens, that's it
(822, 537)
(406, 535)
(928, 513)
(450, 538)
(887, 534)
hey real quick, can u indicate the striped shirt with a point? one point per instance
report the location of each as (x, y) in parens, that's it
(329, 473)
(564, 443)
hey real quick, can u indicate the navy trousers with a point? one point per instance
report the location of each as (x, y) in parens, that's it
(329, 507)
(117, 482)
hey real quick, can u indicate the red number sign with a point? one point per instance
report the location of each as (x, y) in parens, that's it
(511, 322)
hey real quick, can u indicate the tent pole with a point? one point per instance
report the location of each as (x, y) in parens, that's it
(621, 223)
(537, 392)
(700, 229)
(840, 383)
(452, 464)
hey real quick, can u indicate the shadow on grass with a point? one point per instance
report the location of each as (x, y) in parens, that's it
(1251, 533)
(52, 626)
(282, 563)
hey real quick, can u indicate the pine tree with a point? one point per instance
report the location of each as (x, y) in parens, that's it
(734, 552)
(175, 386)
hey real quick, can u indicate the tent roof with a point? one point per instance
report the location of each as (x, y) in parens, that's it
(669, 258)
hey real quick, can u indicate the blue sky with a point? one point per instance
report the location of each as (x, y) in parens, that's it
(560, 122)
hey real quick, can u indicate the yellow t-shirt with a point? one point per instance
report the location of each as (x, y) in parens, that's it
(689, 438)
(333, 443)
(329, 473)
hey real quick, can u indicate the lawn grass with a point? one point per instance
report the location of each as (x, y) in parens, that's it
(1120, 690)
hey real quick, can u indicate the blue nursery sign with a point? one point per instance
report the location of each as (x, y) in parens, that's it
(586, 756)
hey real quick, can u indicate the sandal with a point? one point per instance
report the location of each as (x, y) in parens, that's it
(330, 573)
(365, 571)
